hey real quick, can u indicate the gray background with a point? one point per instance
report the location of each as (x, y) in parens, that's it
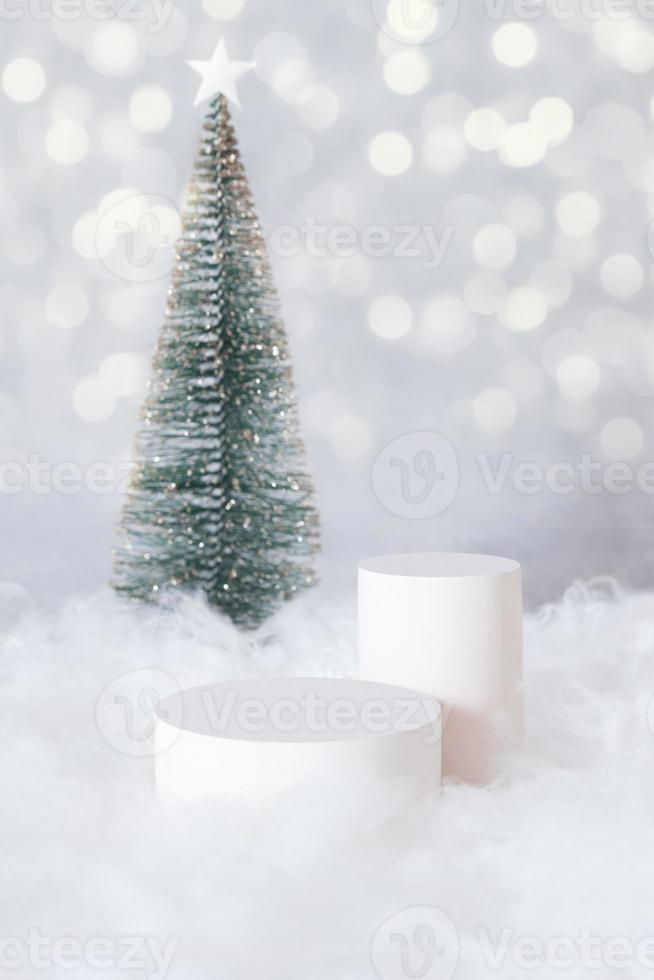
(325, 88)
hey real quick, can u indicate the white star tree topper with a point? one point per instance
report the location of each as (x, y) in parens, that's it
(220, 75)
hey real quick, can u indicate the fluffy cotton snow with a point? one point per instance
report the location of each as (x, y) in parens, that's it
(559, 852)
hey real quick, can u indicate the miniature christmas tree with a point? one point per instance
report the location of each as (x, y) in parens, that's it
(219, 501)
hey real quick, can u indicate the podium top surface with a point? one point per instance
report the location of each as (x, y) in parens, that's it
(435, 565)
(299, 709)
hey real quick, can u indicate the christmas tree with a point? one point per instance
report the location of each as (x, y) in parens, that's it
(219, 501)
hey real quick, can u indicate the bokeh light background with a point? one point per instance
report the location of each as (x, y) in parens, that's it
(523, 142)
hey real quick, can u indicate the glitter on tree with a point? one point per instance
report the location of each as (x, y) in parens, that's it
(219, 501)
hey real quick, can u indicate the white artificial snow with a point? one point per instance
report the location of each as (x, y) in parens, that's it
(561, 847)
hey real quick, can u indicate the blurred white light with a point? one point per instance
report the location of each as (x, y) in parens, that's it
(114, 49)
(66, 142)
(447, 326)
(554, 117)
(390, 153)
(484, 129)
(622, 276)
(350, 437)
(639, 168)
(622, 439)
(578, 376)
(91, 400)
(445, 149)
(72, 31)
(613, 336)
(605, 35)
(318, 107)
(412, 20)
(484, 293)
(281, 60)
(390, 317)
(515, 45)
(494, 410)
(84, 233)
(123, 375)
(136, 235)
(555, 281)
(617, 131)
(448, 109)
(578, 214)
(23, 80)
(223, 9)
(524, 214)
(635, 51)
(150, 108)
(407, 72)
(66, 306)
(522, 145)
(287, 77)
(571, 158)
(495, 246)
(525, 308)
(132, 203)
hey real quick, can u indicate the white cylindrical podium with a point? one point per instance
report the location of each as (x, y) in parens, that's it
(252, 739)
(449, 625)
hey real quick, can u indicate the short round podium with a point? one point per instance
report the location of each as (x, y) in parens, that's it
(252, 739)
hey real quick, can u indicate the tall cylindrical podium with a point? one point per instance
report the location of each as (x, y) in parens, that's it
(449, 625)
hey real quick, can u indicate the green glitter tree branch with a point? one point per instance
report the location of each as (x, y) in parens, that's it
(219, 501)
